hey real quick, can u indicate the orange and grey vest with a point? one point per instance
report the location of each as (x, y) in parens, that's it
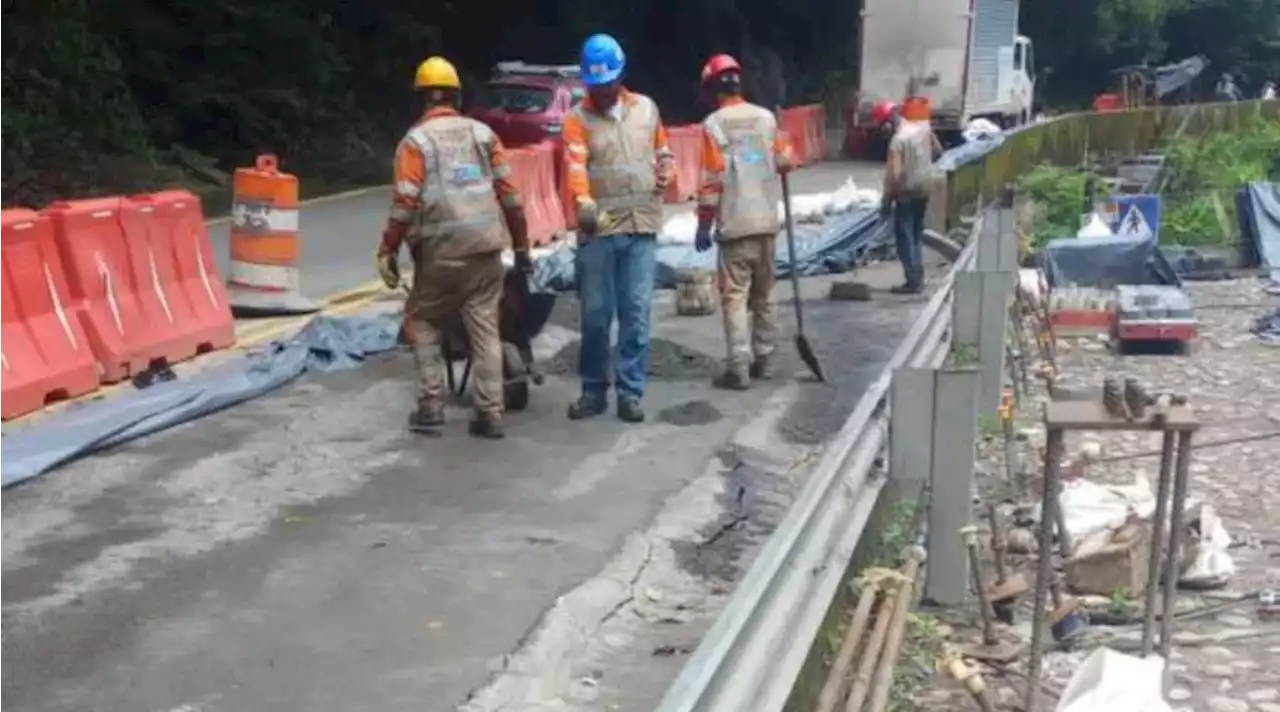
(751, 187)
(459, 214)
(621, 166)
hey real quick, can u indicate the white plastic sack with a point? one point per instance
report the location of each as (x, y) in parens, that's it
(1090, 508)
(1029, 281)
(1095, 227)
(1211, 563)
(1108, 681)
(981, 130)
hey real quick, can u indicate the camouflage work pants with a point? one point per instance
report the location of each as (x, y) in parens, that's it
(745, 273)
(443, 290)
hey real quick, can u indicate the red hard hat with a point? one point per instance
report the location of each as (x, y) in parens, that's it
(718, 65)
(882, 112)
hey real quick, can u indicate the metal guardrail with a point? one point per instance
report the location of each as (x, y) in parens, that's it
(753, 654)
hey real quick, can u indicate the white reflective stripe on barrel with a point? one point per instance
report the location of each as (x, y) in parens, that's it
(264, 277)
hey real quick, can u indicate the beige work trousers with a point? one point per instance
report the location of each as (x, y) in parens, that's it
(470, 287)
(746, 275)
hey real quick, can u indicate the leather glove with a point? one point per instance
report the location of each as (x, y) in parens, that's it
(588, 216)
(523, 263)
(388, 264)
(702, 239)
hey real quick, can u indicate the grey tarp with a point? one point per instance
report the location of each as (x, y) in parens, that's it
(1258, 205)
(1106, 262)
(836, 245)
(325, 344)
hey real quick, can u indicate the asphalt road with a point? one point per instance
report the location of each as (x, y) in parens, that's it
(303, 551)
(339, 236)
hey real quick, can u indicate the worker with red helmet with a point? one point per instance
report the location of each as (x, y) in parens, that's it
(743, 152)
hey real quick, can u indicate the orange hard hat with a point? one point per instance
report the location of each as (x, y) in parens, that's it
(718, 65)
(916, 108)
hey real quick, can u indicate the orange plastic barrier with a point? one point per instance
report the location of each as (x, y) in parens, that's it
(90, 238)
(265, 242)
(686, 144)
(533, 170)
(794, 124)
(46, 356)
(166, 230)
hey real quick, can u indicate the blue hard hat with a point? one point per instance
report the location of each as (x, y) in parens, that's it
(602, 60)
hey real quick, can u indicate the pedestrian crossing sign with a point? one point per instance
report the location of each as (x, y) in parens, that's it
(1134, 216)
(1134, 225)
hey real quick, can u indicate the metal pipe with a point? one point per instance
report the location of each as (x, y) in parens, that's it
(1157, 542)
(1044, 566)
(902, 609)
(834, 687)
(1175, 541)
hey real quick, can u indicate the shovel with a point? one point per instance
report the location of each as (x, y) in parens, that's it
(802, 342)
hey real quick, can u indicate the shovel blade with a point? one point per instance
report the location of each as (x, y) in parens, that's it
(809, 357)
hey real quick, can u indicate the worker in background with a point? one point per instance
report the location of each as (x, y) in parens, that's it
(909, 177)
(452, 190)
(618, 165)
(743, 153)
(1226, 90)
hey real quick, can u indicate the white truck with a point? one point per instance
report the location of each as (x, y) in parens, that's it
(966, 56)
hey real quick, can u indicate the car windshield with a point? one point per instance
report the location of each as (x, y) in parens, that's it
(515, 99)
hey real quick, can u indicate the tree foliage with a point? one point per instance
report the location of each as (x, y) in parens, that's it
(129, 94)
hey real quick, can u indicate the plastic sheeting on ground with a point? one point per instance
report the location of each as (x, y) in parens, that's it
(835, 244)
(1258, 205)
(325, 344)
(1106, 262)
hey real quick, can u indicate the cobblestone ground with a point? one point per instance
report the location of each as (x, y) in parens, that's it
(1226, 656)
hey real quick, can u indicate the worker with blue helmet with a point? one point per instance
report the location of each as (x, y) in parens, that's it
(618, 165)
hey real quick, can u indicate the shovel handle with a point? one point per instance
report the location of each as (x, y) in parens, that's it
(791, 238)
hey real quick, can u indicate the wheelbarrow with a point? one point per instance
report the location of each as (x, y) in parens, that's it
(522, 314)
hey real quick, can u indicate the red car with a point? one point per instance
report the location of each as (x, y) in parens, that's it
(526, 103)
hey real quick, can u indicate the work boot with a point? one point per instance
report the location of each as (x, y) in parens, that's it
(629, 410)
(486, 426)
(732, 379)
(428, 416)
(587, 407)
(761, 369)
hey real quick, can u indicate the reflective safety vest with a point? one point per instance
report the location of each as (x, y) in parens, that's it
(622, 164)
(751, 188)
(459, 214)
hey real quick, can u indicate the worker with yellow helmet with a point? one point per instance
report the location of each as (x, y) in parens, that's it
(452, 191)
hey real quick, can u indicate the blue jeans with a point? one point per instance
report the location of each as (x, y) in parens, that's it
(908, 233)
(615, 276)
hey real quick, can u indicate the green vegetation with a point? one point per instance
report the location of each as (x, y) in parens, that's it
(917, 665)
(1202, 176)
(135, 94)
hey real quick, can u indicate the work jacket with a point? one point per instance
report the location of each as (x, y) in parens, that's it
(617, 158)
(451, 172)
(742, 152)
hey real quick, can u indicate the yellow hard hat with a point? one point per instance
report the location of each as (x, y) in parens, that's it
(436, 72)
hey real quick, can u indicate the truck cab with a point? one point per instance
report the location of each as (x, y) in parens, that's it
(1019, 89)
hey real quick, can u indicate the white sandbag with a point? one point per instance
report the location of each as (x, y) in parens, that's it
(1108, 681)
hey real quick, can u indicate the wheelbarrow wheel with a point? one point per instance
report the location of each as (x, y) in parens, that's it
(515, 379)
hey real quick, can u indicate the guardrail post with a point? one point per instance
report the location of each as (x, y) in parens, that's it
(910, 421)
(981, 304)
(954, 431)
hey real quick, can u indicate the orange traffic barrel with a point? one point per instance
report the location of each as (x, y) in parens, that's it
(265, 243)
(916, 108)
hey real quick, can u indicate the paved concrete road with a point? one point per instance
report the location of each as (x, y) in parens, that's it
(304, 552)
